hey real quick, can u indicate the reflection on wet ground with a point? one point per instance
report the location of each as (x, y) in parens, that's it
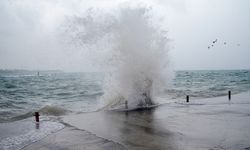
(135, 130)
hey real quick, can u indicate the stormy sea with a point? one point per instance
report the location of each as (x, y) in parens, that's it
(57, 93)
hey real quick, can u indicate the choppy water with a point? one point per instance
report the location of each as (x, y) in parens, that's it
(51, 93)
(208, 83)
(58, 93)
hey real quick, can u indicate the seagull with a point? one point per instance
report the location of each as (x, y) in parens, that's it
(225, 43)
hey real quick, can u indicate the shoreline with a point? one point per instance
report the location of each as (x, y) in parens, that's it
(213, 123)
(210, 123)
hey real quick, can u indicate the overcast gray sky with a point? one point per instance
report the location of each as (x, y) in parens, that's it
(29, 36)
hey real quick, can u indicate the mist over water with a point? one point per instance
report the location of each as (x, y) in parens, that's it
(129, 44)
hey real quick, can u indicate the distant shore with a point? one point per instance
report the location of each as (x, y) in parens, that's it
(214, 123)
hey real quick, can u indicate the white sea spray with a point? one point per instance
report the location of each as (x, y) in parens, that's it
(129, 44)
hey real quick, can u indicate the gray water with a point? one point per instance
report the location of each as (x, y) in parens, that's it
(52, 93)
(209, 83)
(57, 93)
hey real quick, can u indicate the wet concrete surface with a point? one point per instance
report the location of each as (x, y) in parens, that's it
(207, 124)
(71, 138)
(213, 123)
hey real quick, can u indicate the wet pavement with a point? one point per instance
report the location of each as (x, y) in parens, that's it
(212, 124)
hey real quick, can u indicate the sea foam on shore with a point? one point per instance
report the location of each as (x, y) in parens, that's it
(18, 134)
